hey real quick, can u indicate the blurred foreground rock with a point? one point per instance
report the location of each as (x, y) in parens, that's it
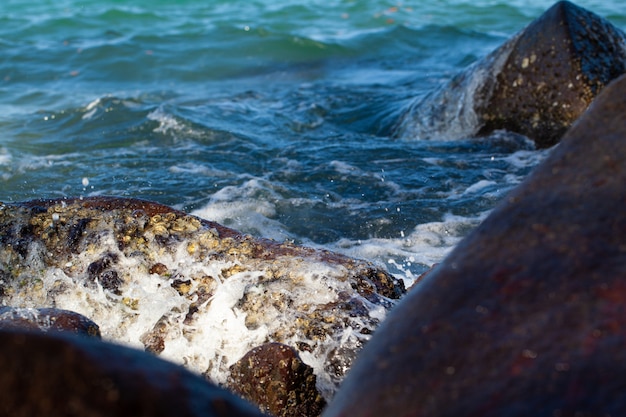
(60, 374)
(527, 316)
(188, 289)
(536, 84)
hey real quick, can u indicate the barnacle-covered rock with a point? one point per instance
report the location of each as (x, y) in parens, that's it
(536, 84)
(189, 289)
(274, 377)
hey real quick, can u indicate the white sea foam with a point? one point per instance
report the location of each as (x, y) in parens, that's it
(167, 122)
(343, 167)
(406, 256)
(253, 217)
(526, 158)
(478, 186)
(5, 157)
(218, 337)
(91, 109)
(249, 207)
(27, 163)
(409, 256)
(192, 168)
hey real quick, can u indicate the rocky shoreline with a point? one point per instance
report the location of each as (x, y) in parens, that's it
(524, 317)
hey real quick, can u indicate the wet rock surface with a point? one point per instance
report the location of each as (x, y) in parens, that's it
(47, 319)
(60, 374)
(274, 377)
(536, 84)
(527, 315)
(189, 289)
(557, 67)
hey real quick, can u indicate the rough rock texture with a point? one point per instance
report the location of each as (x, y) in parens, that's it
(558, 65)
(47, 319)
(274, 377)
(186, 288)
(60, 374)
(527, 316)
(537, 84)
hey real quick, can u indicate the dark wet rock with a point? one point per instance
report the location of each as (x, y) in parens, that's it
(527, 316)
(274, 377)
(536, 84)
(100, 271)
(47, 319)
(59, 374)
(74, 234)
(158, 268)
(376, 284)
(557, 67)
(186, 288)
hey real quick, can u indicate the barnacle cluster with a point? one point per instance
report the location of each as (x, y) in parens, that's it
(184, 287)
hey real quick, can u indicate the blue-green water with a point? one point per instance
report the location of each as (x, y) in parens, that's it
(270, 117)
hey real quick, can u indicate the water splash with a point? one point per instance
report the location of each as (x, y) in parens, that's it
(449, 112)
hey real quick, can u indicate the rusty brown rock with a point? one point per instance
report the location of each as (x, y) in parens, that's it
(536, 84)
(527, 316)
(60, 374)
(47, 319)
(274, 377)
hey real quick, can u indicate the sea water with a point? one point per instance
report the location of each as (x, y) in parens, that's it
(270, 117)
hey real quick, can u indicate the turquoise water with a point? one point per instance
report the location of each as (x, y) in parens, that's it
(270, 117)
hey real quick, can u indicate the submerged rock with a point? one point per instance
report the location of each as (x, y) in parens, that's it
(274, 377)
(189, 289)
(60, 374)
(527, 316)
(536, 84)
(47, 319)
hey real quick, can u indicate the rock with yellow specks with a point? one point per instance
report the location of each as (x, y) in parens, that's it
(189, 289)
(536, 84)
(274, 377)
